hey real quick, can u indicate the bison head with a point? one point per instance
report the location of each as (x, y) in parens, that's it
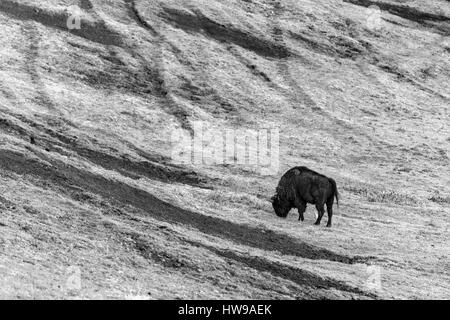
(280, 205)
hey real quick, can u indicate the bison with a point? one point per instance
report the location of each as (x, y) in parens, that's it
(299, 186)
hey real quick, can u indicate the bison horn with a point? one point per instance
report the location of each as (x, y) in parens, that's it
(273, 198)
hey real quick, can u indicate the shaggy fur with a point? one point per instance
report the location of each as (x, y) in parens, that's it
(300, 186)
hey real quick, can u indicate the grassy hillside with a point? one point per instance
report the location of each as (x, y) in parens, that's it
(93, 204)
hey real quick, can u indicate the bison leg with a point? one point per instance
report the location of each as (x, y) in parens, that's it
(301, 210)
(321, 211)
(330, 211)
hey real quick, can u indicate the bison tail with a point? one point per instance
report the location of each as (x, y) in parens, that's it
(335, 191)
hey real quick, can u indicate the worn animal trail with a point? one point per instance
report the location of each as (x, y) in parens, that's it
(157, 72)
(252, 67)
(296, 92)
(199, 22)
(301, 277)
(137, 68)
(97, 31)
(71, 180)
(301, 98)
(56, 141)
(32, 57)
(407, 12)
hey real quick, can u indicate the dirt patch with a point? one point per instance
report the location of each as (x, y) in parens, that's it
(198, 22)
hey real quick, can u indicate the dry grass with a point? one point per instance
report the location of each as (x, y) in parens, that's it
(97, 192)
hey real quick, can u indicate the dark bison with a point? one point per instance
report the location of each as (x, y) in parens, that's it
(299, 186)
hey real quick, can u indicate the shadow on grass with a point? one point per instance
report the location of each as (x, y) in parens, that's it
(70, 179)
(301, 277)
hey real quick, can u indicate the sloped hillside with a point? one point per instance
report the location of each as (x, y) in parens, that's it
(94, 205)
